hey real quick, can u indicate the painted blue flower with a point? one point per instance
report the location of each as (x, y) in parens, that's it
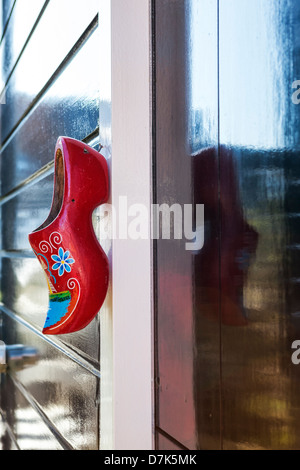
(62, 262)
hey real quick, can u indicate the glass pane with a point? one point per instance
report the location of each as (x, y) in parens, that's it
(227, 137)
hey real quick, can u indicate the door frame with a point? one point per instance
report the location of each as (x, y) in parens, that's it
(127, 369)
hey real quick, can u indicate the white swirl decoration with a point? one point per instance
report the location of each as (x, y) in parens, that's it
(45, 247)
(55, 239)
(71, 284)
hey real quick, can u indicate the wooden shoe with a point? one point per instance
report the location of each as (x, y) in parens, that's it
(75, 265)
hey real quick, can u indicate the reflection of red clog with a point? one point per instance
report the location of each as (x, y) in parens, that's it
(65, 244)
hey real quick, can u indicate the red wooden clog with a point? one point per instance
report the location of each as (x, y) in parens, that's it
(75, 265)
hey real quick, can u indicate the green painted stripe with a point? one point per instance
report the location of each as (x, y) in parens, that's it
(60, 296)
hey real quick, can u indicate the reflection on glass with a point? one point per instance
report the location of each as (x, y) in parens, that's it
(258, 40)
(202, 74)
(64, 391)
(60, 27)
(246, 172)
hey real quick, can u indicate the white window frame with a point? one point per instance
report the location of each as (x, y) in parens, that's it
(127, 401)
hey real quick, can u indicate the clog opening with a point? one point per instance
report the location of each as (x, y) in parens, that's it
(58, 191)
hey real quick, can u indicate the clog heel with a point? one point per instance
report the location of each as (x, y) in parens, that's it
(66, 246)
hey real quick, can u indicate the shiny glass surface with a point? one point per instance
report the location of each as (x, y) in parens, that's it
(53, 404)
(19, 27)
(69, 107)
(6, 8)
(65, 391)
(58, 30)
(227, 110)
(25, 293)
(7, 441)
(259, 127)
(185, 383)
